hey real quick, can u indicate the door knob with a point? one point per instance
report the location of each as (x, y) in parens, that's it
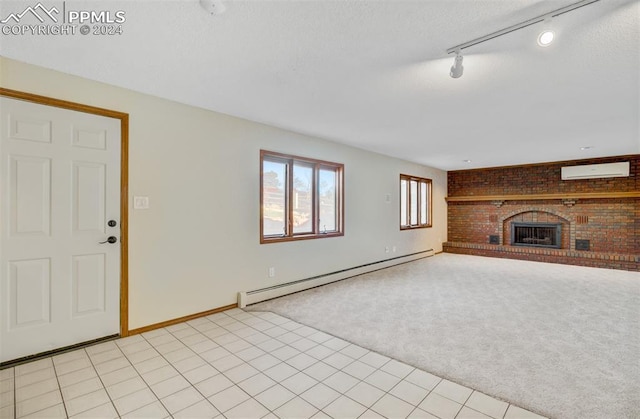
(111, 240)
(112, 223)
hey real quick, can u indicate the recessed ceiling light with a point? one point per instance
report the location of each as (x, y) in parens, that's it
(546, 38)
(588, 147)
(213, 7)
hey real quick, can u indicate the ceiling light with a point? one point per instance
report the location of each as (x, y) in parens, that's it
(589, 147)
(457, 68)
(467, 161)
(546, 38)
(213, 7)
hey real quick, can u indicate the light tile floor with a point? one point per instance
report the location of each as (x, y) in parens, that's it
(236, 364)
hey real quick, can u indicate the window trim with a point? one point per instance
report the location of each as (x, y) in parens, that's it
(419, 180)
(315, 207)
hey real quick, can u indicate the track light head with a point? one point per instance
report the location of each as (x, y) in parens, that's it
(457, 68)
(547, 35)
(546, 38)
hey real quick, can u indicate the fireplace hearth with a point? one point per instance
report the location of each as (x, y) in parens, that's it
(536, 235)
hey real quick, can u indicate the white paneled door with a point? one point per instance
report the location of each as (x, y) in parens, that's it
(59, 210)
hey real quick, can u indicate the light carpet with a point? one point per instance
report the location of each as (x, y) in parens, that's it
(562, 341)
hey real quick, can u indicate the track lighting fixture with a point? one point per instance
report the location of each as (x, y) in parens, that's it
(457, 68)
(544, 38)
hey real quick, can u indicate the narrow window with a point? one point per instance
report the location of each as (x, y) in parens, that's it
(328, 197)
(300, 198)
(415, 202)
(274, 203)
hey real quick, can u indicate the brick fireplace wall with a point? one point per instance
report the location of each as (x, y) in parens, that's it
(483, 203)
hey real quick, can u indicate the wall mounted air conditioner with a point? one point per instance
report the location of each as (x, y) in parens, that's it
(596, 171)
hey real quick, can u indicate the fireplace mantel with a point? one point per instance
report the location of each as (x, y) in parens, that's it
(538, 197)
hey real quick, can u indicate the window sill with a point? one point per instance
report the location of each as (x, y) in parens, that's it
(267, 240)
(415, 227)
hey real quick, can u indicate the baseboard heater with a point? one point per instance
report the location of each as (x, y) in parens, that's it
(246, 298)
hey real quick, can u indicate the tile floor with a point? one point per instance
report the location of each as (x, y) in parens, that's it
(236, 364)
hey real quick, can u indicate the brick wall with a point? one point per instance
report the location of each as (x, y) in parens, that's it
(539, 179)
(611, 225)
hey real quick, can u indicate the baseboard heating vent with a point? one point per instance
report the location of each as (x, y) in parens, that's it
(246, 298)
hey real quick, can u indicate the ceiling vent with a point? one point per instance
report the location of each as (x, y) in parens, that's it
(596, 171)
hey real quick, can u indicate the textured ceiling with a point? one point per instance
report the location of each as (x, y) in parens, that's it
(375, 74)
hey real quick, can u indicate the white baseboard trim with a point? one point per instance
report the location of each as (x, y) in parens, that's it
(246, 298)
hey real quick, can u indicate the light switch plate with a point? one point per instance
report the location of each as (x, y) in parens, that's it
(140, 202)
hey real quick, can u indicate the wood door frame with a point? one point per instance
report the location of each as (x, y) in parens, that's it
(124, 183)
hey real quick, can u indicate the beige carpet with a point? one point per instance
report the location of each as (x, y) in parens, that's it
(562, 341)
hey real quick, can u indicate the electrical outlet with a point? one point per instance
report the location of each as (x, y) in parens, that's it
(393, 249)
(272, 272)
(386, 249)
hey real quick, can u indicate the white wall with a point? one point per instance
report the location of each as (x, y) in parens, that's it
(198, 244)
